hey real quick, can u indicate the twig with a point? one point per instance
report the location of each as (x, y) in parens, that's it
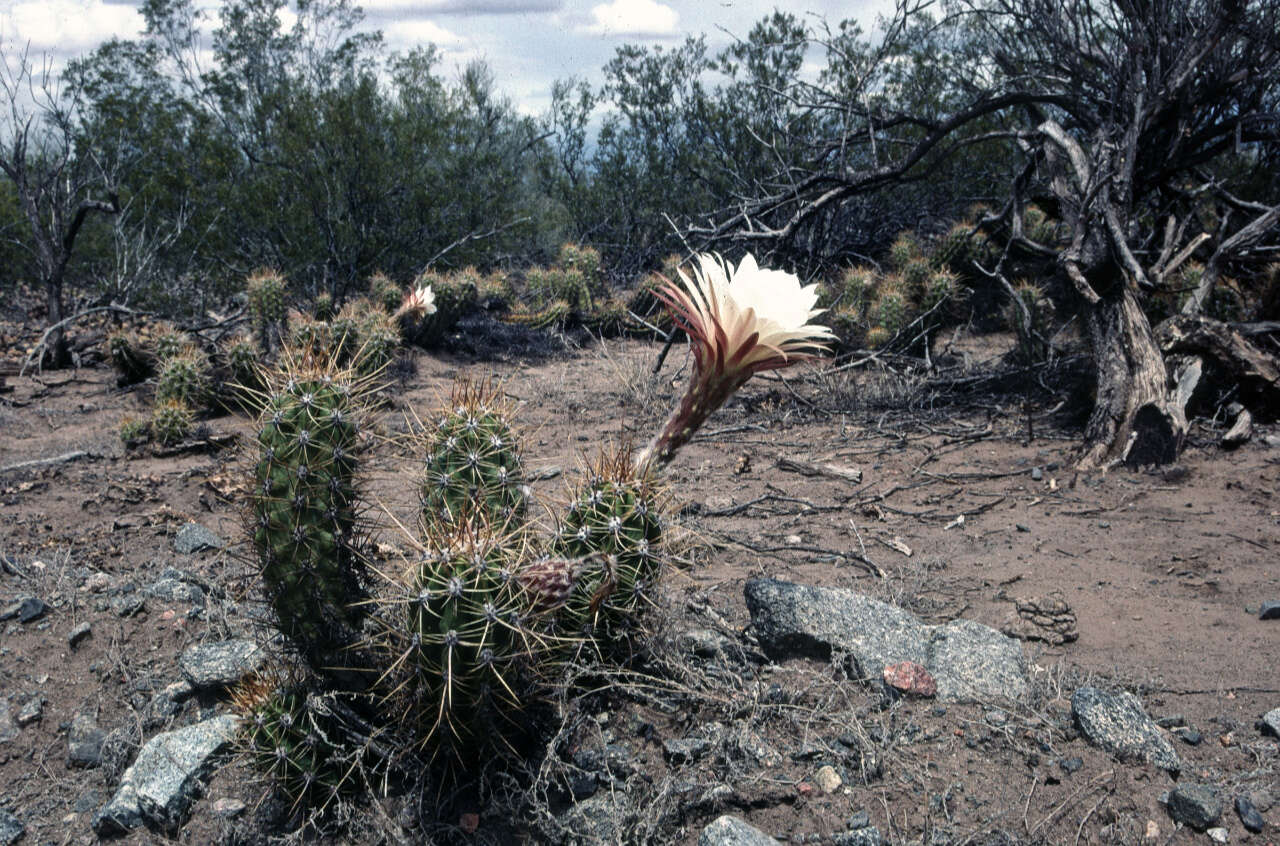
(41, 462)
(38, 351)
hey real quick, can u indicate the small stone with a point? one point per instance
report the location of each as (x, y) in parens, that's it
(8, 730)
(1022, 528)
(1071, 765)
(910, 677)
(685, 751)
(228, 808)
(1036, 474)
(84, 742)
(221, 663)
(827, 779)
(32, 609)
(1219, 835)
(127, 604)
(79, 633)
(193, 537)
(1271, 721)
(11, 828)
(469, 822)
(30, 711)
(1189, 736)
(1117, 723)
(1270, 610)
(1196, 805)
(1249, 816)
(869, 836)
(175, 590)
(1172, 721)
(862, 819)
(97, 583)
(1152, 832)
(731, 831)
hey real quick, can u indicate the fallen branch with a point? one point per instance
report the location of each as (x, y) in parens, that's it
(45, 462)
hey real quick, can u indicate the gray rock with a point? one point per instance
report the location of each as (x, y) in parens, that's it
(127, 604)
(1270, 610)
(685, 750)
(969, 661)
(8, 729)
(79, 633)
(1271, 721)
(193, 537)
(221, 663)
(600, 820)
(159, 786)
(32, 709)
(1249, 816)
(1196, 805)
(1117, 723)
(32, 609)
(862, 819)
(11, 828)
(731, 831)
(869, 836)
(84, 742)
(175, 590)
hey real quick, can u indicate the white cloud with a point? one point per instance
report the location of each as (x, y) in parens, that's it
(636, 18)
(460, 7)
(67, 26)
(415, 31)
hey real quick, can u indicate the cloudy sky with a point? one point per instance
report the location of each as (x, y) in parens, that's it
(528, 43)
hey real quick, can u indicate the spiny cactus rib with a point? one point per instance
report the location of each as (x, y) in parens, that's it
(306, 528)
(614, 529)
(472, 460)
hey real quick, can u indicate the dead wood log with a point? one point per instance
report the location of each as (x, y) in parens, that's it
(832, 471)
(1256, 371)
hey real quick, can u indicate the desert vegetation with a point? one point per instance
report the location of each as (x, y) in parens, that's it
(658, 465)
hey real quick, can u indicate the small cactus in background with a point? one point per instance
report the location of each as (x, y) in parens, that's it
(847, 325)
(470, 651)
(297, 740)
(891, 307)
(915, 275)
(378, 338)
(169, 342)
(184, 377)
(548, 285)
(133, 431)
(310, 334)
(495, 292)
(171, 422)
(903, 250)
(267, 291)
(584, 259)
(472, 460)
(306, 529)
(1038, 226)
(613, 527)
(877, 337)
(1032, 327)
(456, 295)
(133, 363)
(954, 250)
(942, 285)
(855, 287)
(241, 356)
(324, 307)
(384, 292)
(344, 330)
(555, 314)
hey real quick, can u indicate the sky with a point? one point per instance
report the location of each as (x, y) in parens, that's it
(527, 43)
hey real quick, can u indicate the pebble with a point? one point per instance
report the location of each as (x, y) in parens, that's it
(193, 537)
(79, 633)
(228, 808)
(221, 663)
(127, 604)
(11, 828)
(1071, 765)
(1270, 610)
(827, 779)
(1271, 722)
(1036, 474)
(1249, 816)
(84, 742)
(1189, 736)
(30, 711)
(1219, 835)
(686, 750)
(1196, 805)
(862, 819)
(97, 583)
(910, 677)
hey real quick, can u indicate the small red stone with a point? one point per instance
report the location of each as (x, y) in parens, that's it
(469, 823)
(804, 788)
(910, 677)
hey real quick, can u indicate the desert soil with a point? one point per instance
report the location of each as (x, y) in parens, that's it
(1164, 572)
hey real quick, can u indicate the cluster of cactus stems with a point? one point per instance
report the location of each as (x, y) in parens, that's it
(268, 308)
(480, 618)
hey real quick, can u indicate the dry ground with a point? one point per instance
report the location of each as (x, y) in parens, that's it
(1164, 571)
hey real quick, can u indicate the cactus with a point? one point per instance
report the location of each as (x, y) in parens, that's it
(610, 318)
(297, 739)
(473, 462)
(903, 249)
(169, 342)
(184, 377)
(954, 249)
(915, 275)
(877, 337)
(613, 528)
(306, 530)
(555, 314)
(324, 308)
(584, 259)
(344, 330)
(379, 338)
(891, 308)
(554, 284)
(471, 645)
(941, 286)
(847, 324)
(314, 335)
(855, 287)
(267, 291)
(133, 431)
(1031, 338)
(133, 363)
(171, 422)
(495, 293)
(384, 292)
(241, 357)
(455, 296)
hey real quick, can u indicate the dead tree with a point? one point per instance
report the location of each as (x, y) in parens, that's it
(1138, 121)
(56, 179)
